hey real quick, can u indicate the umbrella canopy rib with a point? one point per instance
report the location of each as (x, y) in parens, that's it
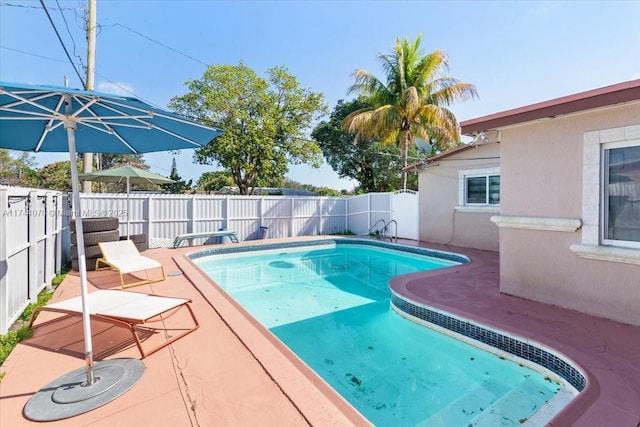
(55, 119)
(99, 120)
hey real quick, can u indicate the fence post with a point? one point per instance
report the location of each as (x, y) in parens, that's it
(261, 210)
(346, 214)
(33, 247)
(291, 199)
(319, 215)
(58, 212)
(191, 210)
(353, 219)
(149, 220)
(49, 239)
(225, 214)
(4, 291)
(369, 211)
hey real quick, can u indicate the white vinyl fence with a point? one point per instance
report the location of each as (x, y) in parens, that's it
(34, 246)
(35, 240)
(161, 217)
(371, 212)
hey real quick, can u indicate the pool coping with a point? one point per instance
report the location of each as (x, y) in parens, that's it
(309, 392)
(567, 370)
(210, 377)
(323, 241)
(578, 337)
(577, 379)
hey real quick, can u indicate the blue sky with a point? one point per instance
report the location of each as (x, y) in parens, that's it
(516, 53)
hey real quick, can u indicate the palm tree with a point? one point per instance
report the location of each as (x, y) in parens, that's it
(413, 101)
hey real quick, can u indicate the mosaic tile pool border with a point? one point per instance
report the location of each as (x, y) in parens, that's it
(487, 336)
(231, 249)
(495, 339)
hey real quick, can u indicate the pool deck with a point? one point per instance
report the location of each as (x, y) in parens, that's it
(229, 372)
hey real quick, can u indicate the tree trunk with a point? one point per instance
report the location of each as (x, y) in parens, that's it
(404, 150)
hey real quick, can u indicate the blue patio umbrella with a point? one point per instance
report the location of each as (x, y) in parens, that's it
(58, 119)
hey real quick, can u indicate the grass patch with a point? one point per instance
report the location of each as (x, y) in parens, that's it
(9, 341)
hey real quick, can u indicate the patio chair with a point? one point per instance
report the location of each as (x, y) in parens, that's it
(123, 256)
(126, 309)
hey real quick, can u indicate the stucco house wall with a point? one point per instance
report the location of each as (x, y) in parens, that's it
(442, 217)
(543, 217)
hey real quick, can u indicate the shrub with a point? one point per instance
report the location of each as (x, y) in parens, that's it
(11, 339)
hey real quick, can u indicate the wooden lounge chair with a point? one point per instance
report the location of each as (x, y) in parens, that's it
(123, 256)
(232, 235)
(124, 308)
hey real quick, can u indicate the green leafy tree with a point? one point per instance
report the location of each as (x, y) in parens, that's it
(264, 121)
(322, 191)
(108, 161)
(179, 186)
(375, 166)
(214, 181)
(328, 192)
(57, 176)
(412, 100)
(17, 168)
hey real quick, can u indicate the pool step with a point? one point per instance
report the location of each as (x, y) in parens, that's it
(515, 407)
(461, 411)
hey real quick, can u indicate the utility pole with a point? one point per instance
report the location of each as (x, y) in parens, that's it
(87, 158)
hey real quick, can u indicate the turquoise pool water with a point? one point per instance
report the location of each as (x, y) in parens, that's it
(331, 307)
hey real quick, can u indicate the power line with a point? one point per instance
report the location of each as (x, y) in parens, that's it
(123, 88)
(26, 6)
(32, 54)
(128, 91)
(102, 76)
(187, 177)
(74, 45)
(399, 156)
(161, 44)
(70, 35)
(61, 42)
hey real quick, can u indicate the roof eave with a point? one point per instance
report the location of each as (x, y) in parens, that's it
(597, 98)
(428, 160)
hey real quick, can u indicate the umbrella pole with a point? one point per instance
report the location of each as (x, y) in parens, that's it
(128, 207)
(82, 264)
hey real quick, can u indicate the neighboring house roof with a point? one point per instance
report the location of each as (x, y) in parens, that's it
(596, 98)
(288, 191)
(270, 191)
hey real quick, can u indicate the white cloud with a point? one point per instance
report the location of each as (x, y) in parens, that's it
(116, 88)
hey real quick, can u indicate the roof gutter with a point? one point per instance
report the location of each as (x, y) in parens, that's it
(606, 96)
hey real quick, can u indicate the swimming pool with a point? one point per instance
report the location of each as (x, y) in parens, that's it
(329, 304)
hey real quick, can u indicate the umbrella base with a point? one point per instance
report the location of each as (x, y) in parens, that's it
(66, 396)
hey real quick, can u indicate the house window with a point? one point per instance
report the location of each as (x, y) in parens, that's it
(610, 195)
(482, 190)
(620, 217)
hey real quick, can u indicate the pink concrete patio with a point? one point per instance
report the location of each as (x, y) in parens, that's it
(230, 372)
